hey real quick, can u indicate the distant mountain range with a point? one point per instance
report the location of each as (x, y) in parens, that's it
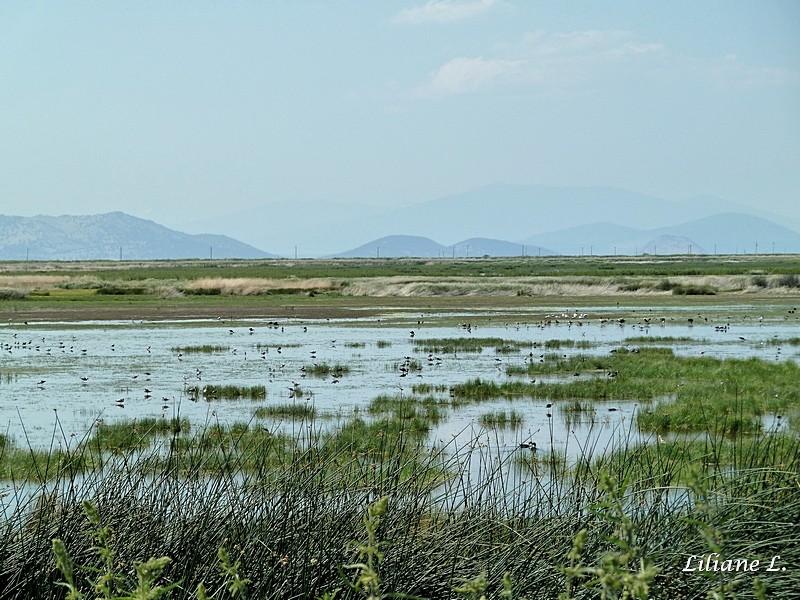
(399, 246)
(726, 233)
(109, 236)
(534, 215)
(496, 220)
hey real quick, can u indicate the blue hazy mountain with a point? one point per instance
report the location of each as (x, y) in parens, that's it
(397, 246)
(106, 237)
(726, 233)
(515, 213)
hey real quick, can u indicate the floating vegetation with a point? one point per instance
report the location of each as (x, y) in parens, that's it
(470, 344)
(422, 412)
(324, 370)
(383, 344)
(792, 341)
(226, 392)
(281, 411)
(8, 376)
(659, 339)
(480, 389)
(554, 344)
(576, 406)
(204, 349)
(429, 388)
(502, 419)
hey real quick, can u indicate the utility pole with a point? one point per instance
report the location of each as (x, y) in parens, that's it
(120, 252)
(295, 252)
(211, 252)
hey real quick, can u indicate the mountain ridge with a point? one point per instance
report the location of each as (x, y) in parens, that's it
(501, 211)
(110, 236)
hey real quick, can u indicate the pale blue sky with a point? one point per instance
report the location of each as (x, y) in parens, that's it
(169, 110)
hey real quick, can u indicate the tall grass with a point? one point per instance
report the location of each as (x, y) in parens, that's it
(453, 518)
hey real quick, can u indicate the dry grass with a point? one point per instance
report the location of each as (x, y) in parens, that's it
(495, 286)
(250, 286)
(33, 282)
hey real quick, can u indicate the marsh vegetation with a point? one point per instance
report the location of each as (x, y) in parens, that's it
(470, 446)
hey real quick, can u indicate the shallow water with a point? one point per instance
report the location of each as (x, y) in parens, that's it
(56, 379)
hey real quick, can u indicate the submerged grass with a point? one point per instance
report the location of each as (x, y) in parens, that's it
(502, 419)
(468, 344)
(325, 370)
(227, 392)
(282, 411)
(204, 349)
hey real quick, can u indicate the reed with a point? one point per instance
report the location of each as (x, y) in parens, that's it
(454, 521)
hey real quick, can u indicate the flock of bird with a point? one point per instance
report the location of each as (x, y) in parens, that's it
(151, 359)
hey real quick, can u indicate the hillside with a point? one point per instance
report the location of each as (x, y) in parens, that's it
(109, 236)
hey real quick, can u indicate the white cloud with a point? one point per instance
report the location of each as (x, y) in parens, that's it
(442, 11)
(596, 58)
(463, 75)
(542, 59)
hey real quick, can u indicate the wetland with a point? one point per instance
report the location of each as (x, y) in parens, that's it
(503, 405)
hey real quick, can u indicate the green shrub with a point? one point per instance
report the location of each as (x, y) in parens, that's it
(12, 294)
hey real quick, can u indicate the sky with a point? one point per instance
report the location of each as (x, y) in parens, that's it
(191, 109)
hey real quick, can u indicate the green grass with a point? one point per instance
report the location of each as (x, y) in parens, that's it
(659, 339)
(500, 419)
(677, 393)
(204, 349)
(643, 266)
(227, 392)
(286, 512)
(136, 434)
(555, 343)
(467, 344)
(283, 411)
(326, 370)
